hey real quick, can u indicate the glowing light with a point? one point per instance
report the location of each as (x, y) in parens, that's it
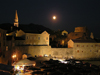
(7, 34)
(33, 64)
(54, 17)
(14, 56)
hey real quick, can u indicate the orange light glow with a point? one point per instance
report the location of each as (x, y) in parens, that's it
(54, 17)
(13, 56)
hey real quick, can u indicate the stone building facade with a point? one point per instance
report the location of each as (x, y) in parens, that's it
(32, 38)
(79, 33)
(81, 51)
(85, 49)
(3, 47)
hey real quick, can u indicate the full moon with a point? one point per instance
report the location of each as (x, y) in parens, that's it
(54, 17)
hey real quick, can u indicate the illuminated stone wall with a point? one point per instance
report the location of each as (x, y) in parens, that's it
(33, 39)
(86, 50)
(37, 39)
(82, 51)
(62, 52)
(33, 50)
(70, 44)
(20, 33)
(42, 50)
(80, 29)
(79, 33)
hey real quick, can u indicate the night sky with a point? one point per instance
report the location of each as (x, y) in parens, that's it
(70, 13)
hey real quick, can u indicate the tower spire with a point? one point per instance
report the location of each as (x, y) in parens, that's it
(16, 19)
(16, 15)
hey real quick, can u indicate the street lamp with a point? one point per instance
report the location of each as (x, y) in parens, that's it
(14, 56)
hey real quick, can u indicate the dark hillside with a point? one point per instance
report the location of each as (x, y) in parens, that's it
(31, 28)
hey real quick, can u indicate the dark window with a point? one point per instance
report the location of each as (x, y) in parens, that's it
(82, 45)
(87, 45)
(96, 51)
(3, 43)
(84, 34)
(96, 45)
(0, 34)
(3, 55)
(27, 37)
(64, 34)
(3, 36)
(76, 34)
(78, 45)
(38, 38)
(91, 45)
(46, 38)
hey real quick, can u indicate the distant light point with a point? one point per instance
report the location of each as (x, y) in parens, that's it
(54, 17)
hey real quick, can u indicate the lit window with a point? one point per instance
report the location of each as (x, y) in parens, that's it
(6, 48)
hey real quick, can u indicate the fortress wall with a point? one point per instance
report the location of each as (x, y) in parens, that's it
(86, 51)
(42, 50)
(33, 50)
(39, 50)
(62, 52)
(80, 29)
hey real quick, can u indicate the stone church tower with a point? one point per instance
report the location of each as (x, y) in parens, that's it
(16, 24)
(91, 36)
